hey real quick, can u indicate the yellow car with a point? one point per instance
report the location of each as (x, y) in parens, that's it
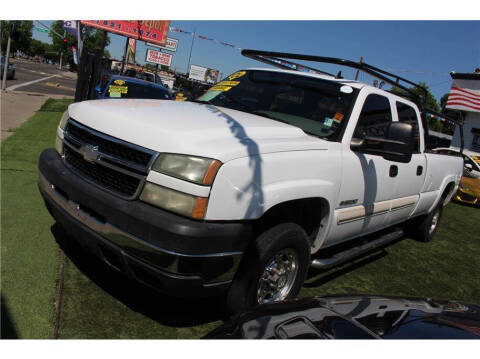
(469, 191)
(469, 187)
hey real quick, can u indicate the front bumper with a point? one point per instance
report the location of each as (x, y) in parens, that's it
(171, 253)
(467, 197)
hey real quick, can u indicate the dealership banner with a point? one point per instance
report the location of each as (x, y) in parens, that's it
(154, 31)
(70, 26)
(171, 45)
(203, 74)
(157, 57)
(132, 44)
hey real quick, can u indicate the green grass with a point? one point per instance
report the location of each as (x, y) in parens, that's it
(446, 268)
(100, 303)
(29, 256)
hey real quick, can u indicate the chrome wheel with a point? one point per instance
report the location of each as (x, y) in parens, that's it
(278, 277)
(434, 223)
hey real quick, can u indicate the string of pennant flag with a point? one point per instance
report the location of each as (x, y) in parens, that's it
(176, 29)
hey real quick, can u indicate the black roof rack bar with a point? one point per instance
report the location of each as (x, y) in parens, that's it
(362, 66)
(289, 65)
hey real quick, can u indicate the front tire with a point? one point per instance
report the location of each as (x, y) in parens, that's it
(273, 268)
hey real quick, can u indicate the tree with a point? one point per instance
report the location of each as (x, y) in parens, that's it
(431, 102)
(37, 48)
(21, 35)
(92, 41)
(443, 101)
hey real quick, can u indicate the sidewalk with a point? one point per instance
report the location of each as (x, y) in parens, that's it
(17, 107)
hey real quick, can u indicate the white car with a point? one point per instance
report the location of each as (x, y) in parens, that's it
(471, 160)
(242, 191)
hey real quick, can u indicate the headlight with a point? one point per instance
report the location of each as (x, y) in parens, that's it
(59, 145)
(194, 169)
(63, 121)
(174, 201)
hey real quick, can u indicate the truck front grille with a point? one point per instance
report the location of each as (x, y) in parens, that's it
(110, 163)
(107, 146)
(101, 175)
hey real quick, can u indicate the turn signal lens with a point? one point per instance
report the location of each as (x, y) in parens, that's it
(63, 121)
(59, 145)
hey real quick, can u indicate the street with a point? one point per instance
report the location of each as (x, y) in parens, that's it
(41, 78)
(33, 84)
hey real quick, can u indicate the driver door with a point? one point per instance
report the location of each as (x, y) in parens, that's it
(367, 183)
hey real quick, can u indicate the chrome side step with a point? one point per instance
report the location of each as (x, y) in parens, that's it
(348, 254)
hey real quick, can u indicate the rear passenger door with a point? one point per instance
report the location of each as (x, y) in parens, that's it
(410, 176)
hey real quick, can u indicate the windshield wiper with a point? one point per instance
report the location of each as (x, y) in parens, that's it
(202, 101)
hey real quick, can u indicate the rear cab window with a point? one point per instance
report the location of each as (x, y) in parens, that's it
(407, 114)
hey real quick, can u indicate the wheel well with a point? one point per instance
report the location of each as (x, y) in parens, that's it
(448, 189)
(308, 213)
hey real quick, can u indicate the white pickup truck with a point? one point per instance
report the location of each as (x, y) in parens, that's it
(241, 191)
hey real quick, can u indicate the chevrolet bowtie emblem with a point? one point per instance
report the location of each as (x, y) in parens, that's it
(90, 153)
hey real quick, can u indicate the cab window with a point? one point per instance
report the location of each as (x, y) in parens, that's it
(408, 115)
(375, 118)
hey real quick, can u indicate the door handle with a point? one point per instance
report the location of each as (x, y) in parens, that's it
(393, 171)
(419, 170)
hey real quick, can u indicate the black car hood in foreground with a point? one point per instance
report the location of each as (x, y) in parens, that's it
(355, 317)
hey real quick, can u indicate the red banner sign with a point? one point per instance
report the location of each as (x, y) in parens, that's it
(154, 31)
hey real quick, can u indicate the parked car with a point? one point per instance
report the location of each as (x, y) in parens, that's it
(268, 173)
(355, 317)
(127, 87)
(144, 75)
(10, 69)
(469, 187)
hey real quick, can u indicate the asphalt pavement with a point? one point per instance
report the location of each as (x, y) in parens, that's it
(41, 78)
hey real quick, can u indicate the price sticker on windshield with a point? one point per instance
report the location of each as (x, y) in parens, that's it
(118, 89)
(220, 88)
(228, 83)
(236, 75)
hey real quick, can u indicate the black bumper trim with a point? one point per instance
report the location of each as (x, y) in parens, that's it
(130, 266)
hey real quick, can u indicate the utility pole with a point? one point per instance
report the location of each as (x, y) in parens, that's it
(1, 38)
(79, 40)
(61, 53)
(125, 58)
(5, 65)
(358, 70)
(191, 48)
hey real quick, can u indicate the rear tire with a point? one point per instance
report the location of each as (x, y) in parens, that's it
(424, 228)
(272, 269)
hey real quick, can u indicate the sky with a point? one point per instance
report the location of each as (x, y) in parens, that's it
(417, 50)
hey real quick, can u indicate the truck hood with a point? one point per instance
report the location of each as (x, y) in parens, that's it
(192, 128)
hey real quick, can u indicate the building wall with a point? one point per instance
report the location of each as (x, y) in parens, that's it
(471, 140)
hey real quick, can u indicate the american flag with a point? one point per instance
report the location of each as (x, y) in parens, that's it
(464, 95)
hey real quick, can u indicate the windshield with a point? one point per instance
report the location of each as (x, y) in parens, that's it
(126, 89)
(319, 107)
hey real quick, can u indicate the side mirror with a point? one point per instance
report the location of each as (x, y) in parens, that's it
(396, 146)
(399, 146)
(468, 167)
